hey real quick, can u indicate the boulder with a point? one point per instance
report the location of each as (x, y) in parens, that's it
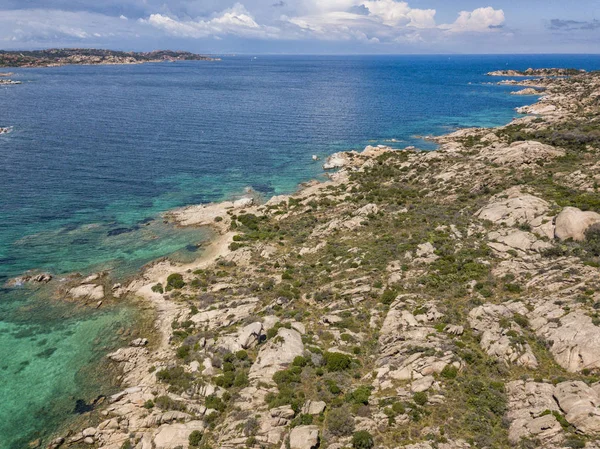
(572, 223)
(575, 341)
(369, 209)
(87, 291)
(313, 407)
(528, 403)
(580, 404)
(515, 209)
(521, 153)
(249, 335)
(527, 91)
(304, 437)
(170, 436)
(139, 342)
(277, 354)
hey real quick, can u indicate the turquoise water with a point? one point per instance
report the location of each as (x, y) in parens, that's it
(98, 152)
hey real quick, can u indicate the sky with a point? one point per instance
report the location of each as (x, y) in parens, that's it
(305, 26)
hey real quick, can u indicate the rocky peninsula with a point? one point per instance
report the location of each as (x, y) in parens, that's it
(537, 72)
(415, 300)
(86, 56)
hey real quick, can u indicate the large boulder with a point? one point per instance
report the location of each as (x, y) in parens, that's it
(528, 403)
(170, 436)
(580, 404)
(304, 437)
(521, 153)
(572, 223)
(277, 354)
(87, 291)
(574, 339)
(513, 208)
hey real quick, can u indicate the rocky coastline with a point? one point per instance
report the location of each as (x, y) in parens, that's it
(537, 72)
(85, 56)
(415, 300)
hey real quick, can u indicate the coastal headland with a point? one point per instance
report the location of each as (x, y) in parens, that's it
(419, 300)
(84, 56)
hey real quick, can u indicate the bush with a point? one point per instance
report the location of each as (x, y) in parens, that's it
(420, 398)
(336, 361)
(214, 403)
(360, 395)
(158, 288)
(175, 282)
(226, 380)
(300, 361)
(388, 296)
(339, 422)
(449, 372)
(195, 438)
(183, 351)
(149, 404)
(176, 377)
(362, 440)
(167, 403)
(287, 376)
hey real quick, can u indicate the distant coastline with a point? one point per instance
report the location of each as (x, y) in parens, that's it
(80, 56)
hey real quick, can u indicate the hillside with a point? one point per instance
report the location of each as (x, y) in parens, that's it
(417, 300)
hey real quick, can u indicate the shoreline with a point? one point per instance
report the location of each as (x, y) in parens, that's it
(140, 359)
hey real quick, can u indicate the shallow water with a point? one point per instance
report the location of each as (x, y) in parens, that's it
(98, 152)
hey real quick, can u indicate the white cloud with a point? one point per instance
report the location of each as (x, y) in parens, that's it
(236, 20)
(395, 13)
(479, 20)
(385, 22)
(40, 26)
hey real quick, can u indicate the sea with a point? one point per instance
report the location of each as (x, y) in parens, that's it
(98, 153)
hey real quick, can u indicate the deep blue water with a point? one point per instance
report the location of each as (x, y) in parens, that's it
(102, 148)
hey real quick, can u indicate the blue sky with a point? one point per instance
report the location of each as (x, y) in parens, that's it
(305, 26)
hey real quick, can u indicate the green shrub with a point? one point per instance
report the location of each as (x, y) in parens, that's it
(420, 398)
(449, 372)
(126, 444)
(388, 296)
(288, 376)
(195, 438)
(167, 403)
(241, 355)
(226, 380)
(214, 403)
(241, 380)
(333, 387)
(149, 404)
(336, 361)
(175, 282)
(362, 440)
(300, 361)
(398, 408)
(359, 396)
(158, 288)
(183, 351)
(176, 377)
(339, 422)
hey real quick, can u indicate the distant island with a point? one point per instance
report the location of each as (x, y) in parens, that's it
(85, 56)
